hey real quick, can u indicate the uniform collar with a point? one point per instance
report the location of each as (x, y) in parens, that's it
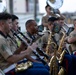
(31, 36)
(3, 34)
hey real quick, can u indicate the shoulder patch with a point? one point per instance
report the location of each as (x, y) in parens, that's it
(3, 47)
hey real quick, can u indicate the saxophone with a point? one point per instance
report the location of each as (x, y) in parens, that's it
(61, 54)
(61, 43)
(49, 43)
(54, 68)
(53, 63)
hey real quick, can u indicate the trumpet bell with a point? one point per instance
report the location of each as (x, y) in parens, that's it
(55, 4)
(2, 6)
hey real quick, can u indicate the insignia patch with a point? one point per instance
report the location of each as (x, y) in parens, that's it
(4, 47)
(74, 35)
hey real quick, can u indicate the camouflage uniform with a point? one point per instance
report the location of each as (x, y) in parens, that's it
(45, 19)
(73, 35)
(45, 39)
(6, 49)
(34, 38)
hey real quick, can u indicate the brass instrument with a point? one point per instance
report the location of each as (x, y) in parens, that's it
(54, 70)
(62, 71)
(53, 64)
(62, 56)
(55, 4)
(61, 43)
(48, 44)
(61, 53)
(23, 66)
(2, 6)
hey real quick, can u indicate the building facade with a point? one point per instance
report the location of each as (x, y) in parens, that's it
(24, 9)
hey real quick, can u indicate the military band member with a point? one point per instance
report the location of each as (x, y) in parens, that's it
(45, 38)
(49, 13)
(71, 39)
(67, 58)
(32, 33)
(7, 57)
(15, 28)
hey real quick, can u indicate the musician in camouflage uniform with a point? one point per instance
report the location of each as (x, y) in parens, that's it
(72, 38)
(67, 58)
(47, 34)
(67, 61)
(7, 57)
(45, 18)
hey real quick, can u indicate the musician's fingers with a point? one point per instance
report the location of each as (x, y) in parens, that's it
(33, 46)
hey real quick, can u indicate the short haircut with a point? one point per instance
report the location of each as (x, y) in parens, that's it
(47, 6)
(5, 16)
(62, 17)
(52, 19)
(28, 22)
(14, 17)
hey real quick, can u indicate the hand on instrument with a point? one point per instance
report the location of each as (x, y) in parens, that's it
(34, 46)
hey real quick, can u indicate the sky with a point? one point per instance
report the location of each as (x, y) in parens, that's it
(67, 6)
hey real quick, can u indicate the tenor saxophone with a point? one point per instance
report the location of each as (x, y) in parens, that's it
(54, 67)
(48, 44)
(61, 43)
(61, 54)
(53, 64)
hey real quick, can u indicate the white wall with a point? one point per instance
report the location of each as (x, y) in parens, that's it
(19, 6)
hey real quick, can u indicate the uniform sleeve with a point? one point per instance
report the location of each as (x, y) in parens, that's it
(43, 20)
(72, 35)
(4, 49)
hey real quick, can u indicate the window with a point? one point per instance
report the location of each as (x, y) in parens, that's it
(30, 6)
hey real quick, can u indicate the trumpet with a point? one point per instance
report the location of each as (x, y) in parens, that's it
(25, 42)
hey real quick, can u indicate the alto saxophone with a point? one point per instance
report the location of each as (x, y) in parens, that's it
(48, 44)
(53, 64)
(61, 54)
(61, 43)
